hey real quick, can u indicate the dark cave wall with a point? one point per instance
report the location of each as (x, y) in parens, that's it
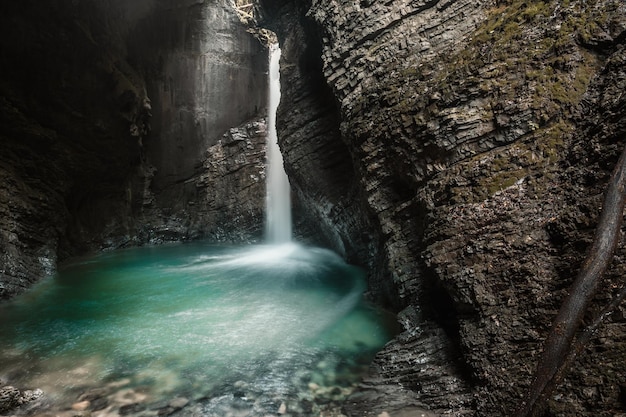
(109, 140)
(205, 75)
(65, 128)
(474, 141)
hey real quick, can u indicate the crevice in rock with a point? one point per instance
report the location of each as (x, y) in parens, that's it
(413, 11)
(439, 306)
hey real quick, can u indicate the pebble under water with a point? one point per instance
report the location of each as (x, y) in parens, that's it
(193, 329)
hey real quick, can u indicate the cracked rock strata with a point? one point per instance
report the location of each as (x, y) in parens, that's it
(476, 138)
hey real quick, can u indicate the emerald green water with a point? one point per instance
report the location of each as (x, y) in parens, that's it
(227, 328)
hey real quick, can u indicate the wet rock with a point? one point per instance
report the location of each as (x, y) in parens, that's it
(95, 393)
(9, 398)
(81, 406)
(129, 409)
(12, 398)
(179, 402)
(98, 404)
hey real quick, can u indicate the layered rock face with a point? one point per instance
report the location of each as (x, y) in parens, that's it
(205, 75)
(124, 123)
(473, 140)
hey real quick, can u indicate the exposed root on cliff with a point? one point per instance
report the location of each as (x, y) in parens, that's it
(561, 348)
(248, 13)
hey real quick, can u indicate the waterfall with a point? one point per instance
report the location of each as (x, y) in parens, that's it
(278, 202)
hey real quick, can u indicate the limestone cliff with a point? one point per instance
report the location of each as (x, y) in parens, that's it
(468, 143)
(123, 123)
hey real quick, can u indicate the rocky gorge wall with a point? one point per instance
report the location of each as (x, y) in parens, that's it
(207, 78)
(123, 123)
(458, 150)
(468, 145)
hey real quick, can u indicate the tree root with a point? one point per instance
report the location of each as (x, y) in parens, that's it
(560, 348)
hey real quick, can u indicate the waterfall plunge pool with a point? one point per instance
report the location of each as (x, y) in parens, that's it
(206, 330)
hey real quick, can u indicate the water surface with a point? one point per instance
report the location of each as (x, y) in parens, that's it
(251, 328)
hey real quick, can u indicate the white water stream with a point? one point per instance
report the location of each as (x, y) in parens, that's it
(278, 204)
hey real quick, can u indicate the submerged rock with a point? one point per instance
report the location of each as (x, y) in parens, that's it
(12, 398)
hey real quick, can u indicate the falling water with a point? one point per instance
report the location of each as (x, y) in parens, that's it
(278, 205)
